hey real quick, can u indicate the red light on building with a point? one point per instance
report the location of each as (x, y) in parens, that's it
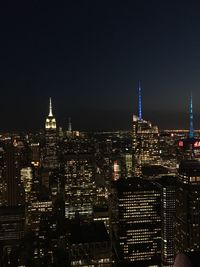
(197, 144)
(180, 143)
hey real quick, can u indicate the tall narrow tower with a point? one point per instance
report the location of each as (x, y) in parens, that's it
(50, 120)
(139, 101)
(69, 125)
(50, 155)
(191, 130)
(145, 150)
(189, 148)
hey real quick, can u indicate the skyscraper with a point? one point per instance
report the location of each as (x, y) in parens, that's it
(139, 221)
(50, 153)
(80, 188)
(187, 207)
(15, 194)
(189, 148)
(145, 145)
(168, 185)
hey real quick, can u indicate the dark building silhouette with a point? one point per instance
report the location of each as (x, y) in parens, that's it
(15, 192)
(12, 225)
(90, 245)
(187, 207)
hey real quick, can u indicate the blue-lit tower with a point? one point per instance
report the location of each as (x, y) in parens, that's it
(145, 149)
(191, 130)
(189, 148)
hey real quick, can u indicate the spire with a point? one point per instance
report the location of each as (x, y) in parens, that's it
(50, 108)
(191, 131)
(50, 120)
(139, 102)
(69, 125)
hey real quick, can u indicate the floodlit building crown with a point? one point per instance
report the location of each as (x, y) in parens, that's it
(50, 120)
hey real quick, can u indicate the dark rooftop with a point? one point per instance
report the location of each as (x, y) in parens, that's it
(134, 183)
(189, 167)
(88, 233)
(167, 181)
(154, 170)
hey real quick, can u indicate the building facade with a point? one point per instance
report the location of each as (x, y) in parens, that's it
(50, 153)
(139, 221)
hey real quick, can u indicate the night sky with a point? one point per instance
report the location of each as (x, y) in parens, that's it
(89, 55)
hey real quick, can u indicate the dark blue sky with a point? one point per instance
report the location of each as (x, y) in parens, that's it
(89, 55)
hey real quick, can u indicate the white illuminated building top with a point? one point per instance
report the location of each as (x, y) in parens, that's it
(50, 120)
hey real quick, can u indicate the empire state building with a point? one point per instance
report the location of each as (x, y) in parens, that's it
(50, 155)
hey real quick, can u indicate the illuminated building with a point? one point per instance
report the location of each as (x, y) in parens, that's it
(27, 181)
(69, 132)
(69, 125)
(50, 155)
(116, 171)
(139, 221)
(39, 202)
(128, 164)
(80, 188)
(187, 207)
(168, 150)
(101, 213)
(168, 187)
(189, 148)
(35, 154)
(36, 208)
(145, 145)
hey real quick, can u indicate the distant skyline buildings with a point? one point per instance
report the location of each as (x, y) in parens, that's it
(93, 119)
(97, 119)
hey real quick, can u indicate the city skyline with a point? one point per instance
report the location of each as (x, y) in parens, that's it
(89, 58)
(124, 116)
(100, 133)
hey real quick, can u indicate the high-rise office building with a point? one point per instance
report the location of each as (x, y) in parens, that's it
(12, 221)
(145, 141)
(50, 153)
(80, 187)
(187, 207)
(15, 193)
(168, 185)
(139, 221)
(35, 154)
(189, 148)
